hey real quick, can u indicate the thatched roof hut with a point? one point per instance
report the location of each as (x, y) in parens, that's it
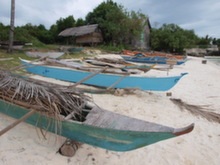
(88, 34)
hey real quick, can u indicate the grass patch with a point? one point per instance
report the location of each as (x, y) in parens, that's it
(8, 64)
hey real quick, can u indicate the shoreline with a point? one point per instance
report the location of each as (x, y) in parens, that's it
(200, 87)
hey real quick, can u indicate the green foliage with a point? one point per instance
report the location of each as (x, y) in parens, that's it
(27, 33)
(204, 41)
(4, 32)
(80, 22)
(64, 23)
(61, 24)
(109, 47)
(8, 64)
(108, 15)
(21, 34)
(35, 34)
(216, 42)
(172, 38)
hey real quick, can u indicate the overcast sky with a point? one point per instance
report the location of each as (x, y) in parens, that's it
(203, 16)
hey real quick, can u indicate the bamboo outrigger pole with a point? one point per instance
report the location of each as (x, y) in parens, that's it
(23, 65)
(88, 77)
(116, 82)
(16, 122)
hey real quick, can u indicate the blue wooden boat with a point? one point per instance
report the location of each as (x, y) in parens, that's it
(140, 58)
(101, 128)
(102, 79)
(41, 54)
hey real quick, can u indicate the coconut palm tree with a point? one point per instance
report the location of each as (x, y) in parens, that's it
(11, 36)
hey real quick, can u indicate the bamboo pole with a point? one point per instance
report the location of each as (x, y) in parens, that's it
(116, 82)
(88, 77)
(16, 122)
(20, 66)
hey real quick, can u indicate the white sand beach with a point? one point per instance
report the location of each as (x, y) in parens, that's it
(25, 145)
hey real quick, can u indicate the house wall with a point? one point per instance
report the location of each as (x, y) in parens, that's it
(144, 41)
(95, 37)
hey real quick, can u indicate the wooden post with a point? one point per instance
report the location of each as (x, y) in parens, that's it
(16, 122)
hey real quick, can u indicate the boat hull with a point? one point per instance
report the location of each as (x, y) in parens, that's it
(132, 53)
(105, 80)
(152, 60)
(45, 54)
(107, 138)
(75, 50)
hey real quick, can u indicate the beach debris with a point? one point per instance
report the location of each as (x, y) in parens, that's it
(169, 93)
(69, 148)
(197, 110)
(204, 61)
(124, 91)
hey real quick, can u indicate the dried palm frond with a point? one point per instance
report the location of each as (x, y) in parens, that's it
(197, 110)
(45, 98)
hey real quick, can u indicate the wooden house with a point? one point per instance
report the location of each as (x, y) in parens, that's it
(88, 34)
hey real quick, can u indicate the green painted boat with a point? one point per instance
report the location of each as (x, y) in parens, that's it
(100, 128)
(75, 50)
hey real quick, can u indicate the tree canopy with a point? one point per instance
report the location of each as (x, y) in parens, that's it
(171, 37)
(116, 23)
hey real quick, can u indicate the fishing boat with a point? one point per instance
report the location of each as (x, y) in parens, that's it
(132, 53)
(82, 122)
(17, 45)
(126, 66)
(102, 128)
(102, 79)
(141, 58)
(41, 54)
(212, 57)
(74, 50)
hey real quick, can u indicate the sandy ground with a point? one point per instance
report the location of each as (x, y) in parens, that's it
(25, 145)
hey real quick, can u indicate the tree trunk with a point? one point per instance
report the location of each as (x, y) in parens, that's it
(11, 35)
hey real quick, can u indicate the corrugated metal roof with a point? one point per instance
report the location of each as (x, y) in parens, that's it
(79, 31)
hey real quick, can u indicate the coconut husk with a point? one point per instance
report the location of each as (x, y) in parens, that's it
(197, 110)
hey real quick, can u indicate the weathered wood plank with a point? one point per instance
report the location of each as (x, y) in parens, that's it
(106, 119)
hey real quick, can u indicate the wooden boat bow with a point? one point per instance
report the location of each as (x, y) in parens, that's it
(185, 130)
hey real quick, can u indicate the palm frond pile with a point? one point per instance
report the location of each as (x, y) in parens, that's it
(51, 100)
(197, 110)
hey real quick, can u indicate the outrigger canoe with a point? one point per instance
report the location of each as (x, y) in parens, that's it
(132, 53)
(40, 54)
(141, 58)
(101, 128)
(102, 79)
